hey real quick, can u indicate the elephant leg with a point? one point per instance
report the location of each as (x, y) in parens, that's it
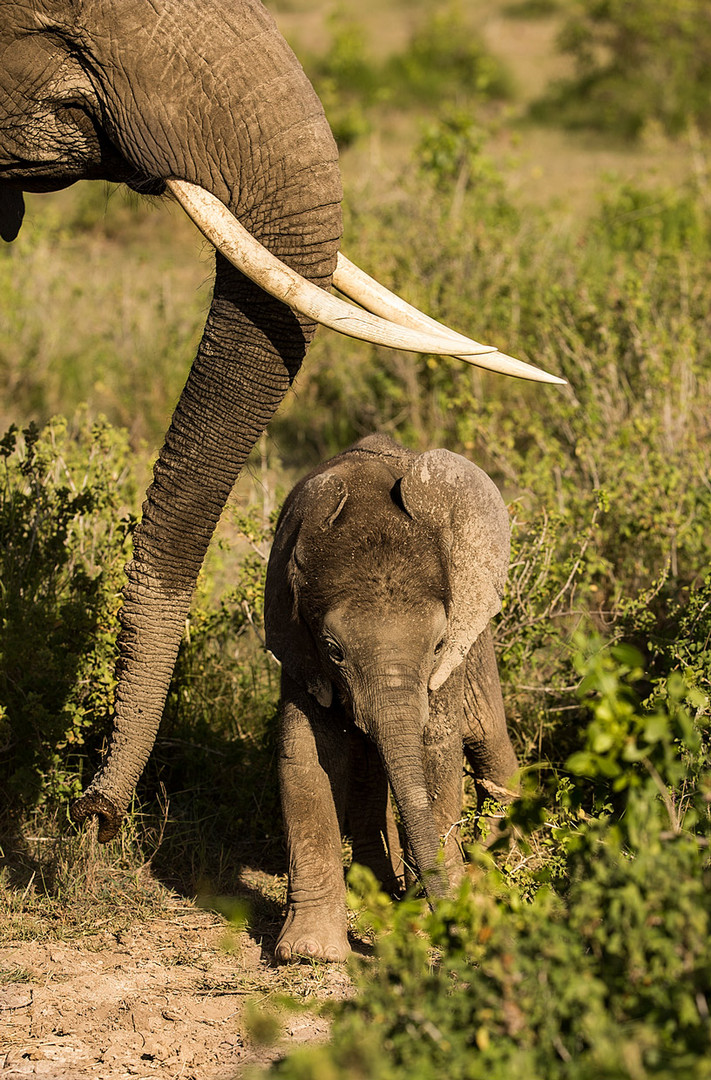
(312, 767)
(444, 771)
(487, 745)
(226, 403)
(369, 816)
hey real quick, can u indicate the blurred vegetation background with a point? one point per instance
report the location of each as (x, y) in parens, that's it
(536, 173)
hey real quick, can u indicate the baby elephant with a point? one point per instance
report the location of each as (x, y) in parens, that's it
(385, 571)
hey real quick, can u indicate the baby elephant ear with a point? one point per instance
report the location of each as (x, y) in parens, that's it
(313, 505)
(461, 504)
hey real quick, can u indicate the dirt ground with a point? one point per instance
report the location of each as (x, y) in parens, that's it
(166, 998)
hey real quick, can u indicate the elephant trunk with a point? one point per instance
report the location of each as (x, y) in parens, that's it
(243, 122)
(396, 723)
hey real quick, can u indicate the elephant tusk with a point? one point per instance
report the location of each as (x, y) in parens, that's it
(354, 283)
(222, 229)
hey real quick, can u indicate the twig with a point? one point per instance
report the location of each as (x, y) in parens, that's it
(673, 816)
(451, 829)
(28, 886)
(250, 619)
(521, 864)
(496, 790)
(187, 742)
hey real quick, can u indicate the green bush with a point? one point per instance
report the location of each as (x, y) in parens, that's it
(684, 645)
(67, 498)
(443, 62)
(603, 971)
(451, 152)
(636, 62)
(446, 61)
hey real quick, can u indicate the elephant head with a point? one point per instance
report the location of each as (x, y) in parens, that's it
(202, 98)
(386, 568)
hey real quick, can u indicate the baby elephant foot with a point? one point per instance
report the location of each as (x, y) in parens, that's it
(313, 935)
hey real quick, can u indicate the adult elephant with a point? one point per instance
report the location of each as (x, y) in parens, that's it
(205, 97)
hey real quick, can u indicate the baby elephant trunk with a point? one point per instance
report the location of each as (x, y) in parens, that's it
(396, 723)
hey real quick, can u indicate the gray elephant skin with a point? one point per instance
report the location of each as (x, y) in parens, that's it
(140, 91)
(386, 569)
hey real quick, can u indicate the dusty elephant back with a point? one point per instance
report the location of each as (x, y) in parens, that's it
(373, 451)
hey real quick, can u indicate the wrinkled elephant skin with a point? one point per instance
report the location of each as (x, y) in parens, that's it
(208, 92)
(386, 569)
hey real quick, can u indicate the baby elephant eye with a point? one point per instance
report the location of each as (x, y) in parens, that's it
(438, 647)
(335, 652)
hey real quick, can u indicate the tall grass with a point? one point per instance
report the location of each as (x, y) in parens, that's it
(97, 309)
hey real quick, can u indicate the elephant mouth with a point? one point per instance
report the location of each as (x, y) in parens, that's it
(80, 151)
(382, 317)
(40, 184)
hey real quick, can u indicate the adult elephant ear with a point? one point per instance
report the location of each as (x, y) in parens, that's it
(461, 504)
(313, 506)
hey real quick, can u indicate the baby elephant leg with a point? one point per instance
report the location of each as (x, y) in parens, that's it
(369, 816)
(311, 768)
(487, 745)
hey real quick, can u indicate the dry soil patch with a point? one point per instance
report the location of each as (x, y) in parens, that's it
(164, 999)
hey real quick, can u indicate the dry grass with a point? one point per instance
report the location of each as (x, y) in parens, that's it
(94, 300)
